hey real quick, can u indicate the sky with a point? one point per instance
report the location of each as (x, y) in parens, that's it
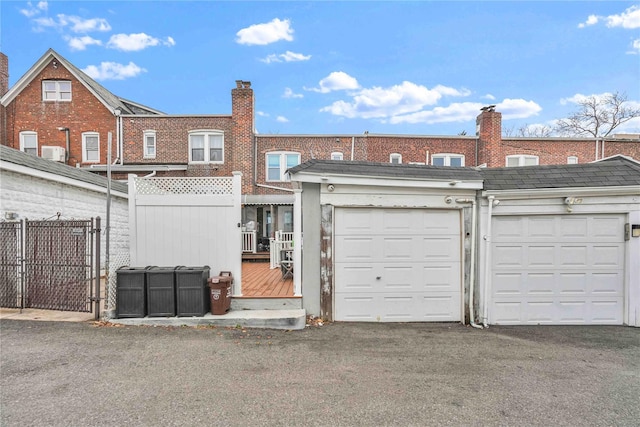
(346, 67)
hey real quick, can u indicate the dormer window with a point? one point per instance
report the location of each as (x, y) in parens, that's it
(56, 90)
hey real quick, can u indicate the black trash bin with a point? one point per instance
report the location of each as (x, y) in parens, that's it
(161, 292)
(131, 292)
(192, 291)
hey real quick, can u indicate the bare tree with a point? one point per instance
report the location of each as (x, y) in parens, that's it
(597, 116)
(528, 131)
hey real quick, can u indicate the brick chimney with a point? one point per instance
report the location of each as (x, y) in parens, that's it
(4, 88)
(242, 110)
(489, 133)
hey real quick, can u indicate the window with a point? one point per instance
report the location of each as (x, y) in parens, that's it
(149, 144)
(206, 146)
(336, 155)
(395, 158)
(522, 160)
(91, 147)
(572, 160)
(29, 142)
(447, 160)
(56, 90)
(279, 162)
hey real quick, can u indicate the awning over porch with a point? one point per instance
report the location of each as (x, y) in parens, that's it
(267, 199)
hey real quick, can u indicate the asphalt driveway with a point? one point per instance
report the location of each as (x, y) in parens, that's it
(87, 374)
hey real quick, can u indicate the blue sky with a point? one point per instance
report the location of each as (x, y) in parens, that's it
(343, 67)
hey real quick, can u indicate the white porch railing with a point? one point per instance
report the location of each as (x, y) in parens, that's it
(249, 241)
(277, 246)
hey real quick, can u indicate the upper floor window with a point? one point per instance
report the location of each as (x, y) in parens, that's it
(149, 144)
(572, 160)
(336, 155)
(206, 146)
(395, 158)
(29, 142)
(278, 163)
(90, 147)
(447, 160)
(56, 90)
(522, 160)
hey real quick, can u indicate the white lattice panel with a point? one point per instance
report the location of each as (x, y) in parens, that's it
(205, 185)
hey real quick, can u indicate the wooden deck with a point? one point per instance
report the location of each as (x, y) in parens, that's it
(258, 280)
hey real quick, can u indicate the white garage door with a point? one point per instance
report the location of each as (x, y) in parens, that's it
(397, 265)
(557, 269)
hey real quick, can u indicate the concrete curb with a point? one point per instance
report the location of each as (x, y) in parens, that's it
(266, 319)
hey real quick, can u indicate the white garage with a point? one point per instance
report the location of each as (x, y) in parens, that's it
(397, 265)
(558, 269)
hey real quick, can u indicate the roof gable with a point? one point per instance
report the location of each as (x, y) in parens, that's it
(110, 101)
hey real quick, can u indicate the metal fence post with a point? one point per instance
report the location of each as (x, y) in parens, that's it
(97, 298)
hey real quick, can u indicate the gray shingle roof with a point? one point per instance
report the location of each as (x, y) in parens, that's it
(19, 158)
(391, 170)
(611, 173)
(614, 172)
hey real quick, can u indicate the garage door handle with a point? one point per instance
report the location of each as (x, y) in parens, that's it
(378, 277)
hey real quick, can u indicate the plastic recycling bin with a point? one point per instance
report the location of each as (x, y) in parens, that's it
(161, 292)
(220, 291)
(131, 287)
(192, 291)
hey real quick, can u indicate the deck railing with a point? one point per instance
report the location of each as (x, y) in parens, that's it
(249, 241)
(275, 250)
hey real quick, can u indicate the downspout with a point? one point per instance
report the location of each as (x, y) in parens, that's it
(487, 264)
(602, 148)
(597, 149)
(472, 276)
(121, 148)
(353, 143)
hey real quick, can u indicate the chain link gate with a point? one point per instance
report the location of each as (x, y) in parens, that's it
(59, 263)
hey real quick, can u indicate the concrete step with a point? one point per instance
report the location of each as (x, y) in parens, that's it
(267, 319)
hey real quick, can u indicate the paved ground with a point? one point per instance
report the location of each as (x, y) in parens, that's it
(88, 374)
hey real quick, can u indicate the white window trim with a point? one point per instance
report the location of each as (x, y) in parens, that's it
(447, 158)
(206, 133)
(572, 160)
(84, 147)
(57, 91)
(25, 133)
(145, 154)
(398, 155)
(283, 164)
(338, 155)
(521, 158)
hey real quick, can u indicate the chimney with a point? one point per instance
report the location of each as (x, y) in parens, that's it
(4, 88)
(242, 112)
(489, 133)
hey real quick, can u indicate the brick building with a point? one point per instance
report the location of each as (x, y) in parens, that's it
(58, 112)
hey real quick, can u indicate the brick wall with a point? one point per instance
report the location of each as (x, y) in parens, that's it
(85, 113)
(172, 142)
(242, 112)
(415, 149)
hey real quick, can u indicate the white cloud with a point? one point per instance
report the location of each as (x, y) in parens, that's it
(397, 100)
(456, 112)
(591, 20)
(135, 42)
(629, 19)
(635, 47)
(489, 97)
(32, 10)
(517, 108)
(262, 34)
(81, 43)
(289, 93)
(578, 97)
(282, 119)
(288, 56)
(41, 24)
(113, 71)
(81, 25)
(262, 114)
(338, 80)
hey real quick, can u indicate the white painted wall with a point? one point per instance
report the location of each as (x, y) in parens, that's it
(39, 198)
